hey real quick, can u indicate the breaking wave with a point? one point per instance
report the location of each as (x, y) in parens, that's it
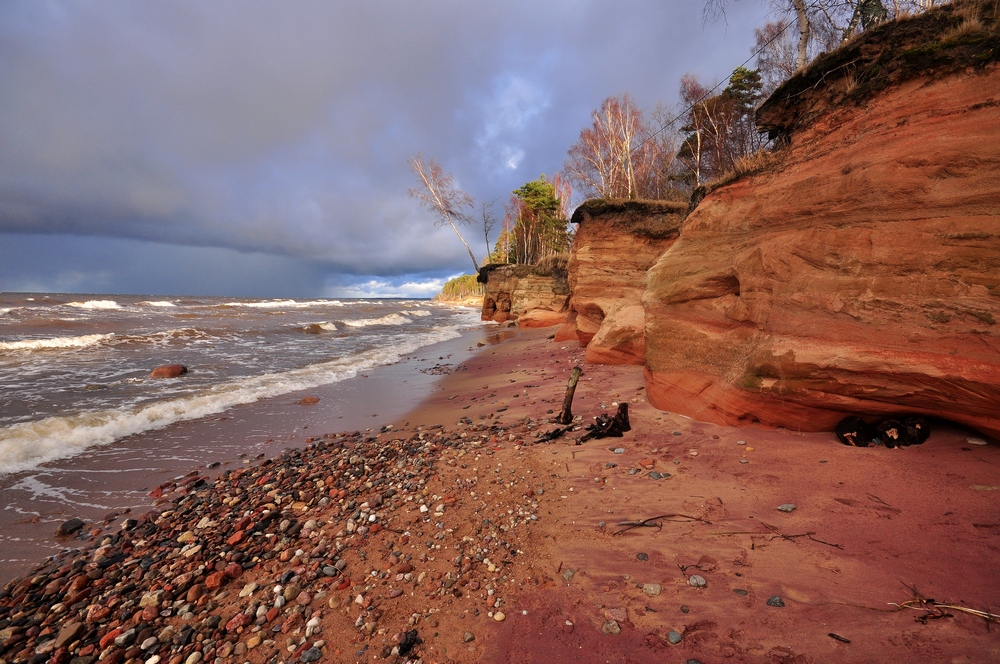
(391, 319)
(95, 304)
(285, 304)
(158, 303)
(56, 342)
(27, 444)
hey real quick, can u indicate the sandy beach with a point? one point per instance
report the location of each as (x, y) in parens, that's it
(454, 535)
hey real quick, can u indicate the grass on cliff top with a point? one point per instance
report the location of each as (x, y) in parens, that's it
(954, 37)
(555, 265)
(654, 220)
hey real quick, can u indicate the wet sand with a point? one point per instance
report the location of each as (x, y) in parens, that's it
(530, 530)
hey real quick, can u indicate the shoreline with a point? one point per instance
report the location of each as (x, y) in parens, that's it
(457, 513)
(38, 500)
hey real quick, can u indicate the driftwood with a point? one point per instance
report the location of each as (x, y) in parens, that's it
(933, 610)
(553, 434)
(654, 522)
(605, 426)
(566, 416)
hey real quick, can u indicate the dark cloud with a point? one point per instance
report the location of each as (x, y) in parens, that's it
(281, 131)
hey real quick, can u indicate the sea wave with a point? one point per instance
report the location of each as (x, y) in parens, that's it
(95, 304)
(27, 444)
(284, 304)
(158, 303)
(418, 312)
(316, 328)
(56, 342)
(390, 319)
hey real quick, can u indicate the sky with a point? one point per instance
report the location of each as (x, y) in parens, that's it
(259, 149)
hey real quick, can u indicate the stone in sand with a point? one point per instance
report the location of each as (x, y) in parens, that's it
(69, 527)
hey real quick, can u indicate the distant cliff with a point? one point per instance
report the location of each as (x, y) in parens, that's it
(533, 295)
(860, 272)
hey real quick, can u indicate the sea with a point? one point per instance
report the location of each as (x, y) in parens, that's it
(79, 410)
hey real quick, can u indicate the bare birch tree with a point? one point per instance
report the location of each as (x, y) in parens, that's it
(442, 197)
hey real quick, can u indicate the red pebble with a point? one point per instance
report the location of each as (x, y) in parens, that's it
(272, 613)
(215, 580)
(236, 538)
(110, 637)
(237, 621)
(234, 570)
(375, 528)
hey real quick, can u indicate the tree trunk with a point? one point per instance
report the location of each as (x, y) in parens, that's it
(467, 247)
(803, 20)
(566, 416)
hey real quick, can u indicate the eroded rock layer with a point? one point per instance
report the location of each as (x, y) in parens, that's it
(616, 242)
(859, 275)
(534, 295)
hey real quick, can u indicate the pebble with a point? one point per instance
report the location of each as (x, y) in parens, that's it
(697, 581)
(311, 655)
(619, 450)
(468, 637)
(658, 476)
(568, 575)
(499, 616)
(775, 600)
(741, 592)
(787, 507)
(651, 589)
(611, 627)
(685, 608)
(975, 441)
(744, 461)
(674, 637)
(642, 556)
(741, 442)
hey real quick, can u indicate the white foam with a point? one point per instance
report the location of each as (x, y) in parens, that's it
(418, 313)
(391, 319)
(28, 444)
(95, 304)
(285, 304)
(56, 342)
(4, 312)
(159, 303)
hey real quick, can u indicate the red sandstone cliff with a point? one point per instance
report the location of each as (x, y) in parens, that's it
(533, 295)
(861, 273)
(616, 242)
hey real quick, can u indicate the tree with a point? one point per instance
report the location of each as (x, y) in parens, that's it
(720, 129)
(534, 225)
(620, 155)
(601, 160)
(442, 197)
(489, 221)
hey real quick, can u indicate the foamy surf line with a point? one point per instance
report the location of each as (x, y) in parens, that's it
(56, 342)
(26, 445)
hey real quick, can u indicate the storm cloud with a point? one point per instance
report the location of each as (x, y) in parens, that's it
(142, 143)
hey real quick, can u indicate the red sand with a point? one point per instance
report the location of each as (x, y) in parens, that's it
(870, 526)
(881, 521)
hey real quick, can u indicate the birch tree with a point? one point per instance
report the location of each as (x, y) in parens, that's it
(439, 194)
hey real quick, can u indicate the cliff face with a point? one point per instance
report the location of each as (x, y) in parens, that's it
(535, 296)
(860, 275)
(615, 244)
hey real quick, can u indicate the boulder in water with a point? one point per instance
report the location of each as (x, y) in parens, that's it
(169, 371)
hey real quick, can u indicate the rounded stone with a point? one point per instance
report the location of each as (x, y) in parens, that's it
(611, 627)
(775, 600)
(697, 581)
(674, 637)
(499, 616)
(787, 507)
